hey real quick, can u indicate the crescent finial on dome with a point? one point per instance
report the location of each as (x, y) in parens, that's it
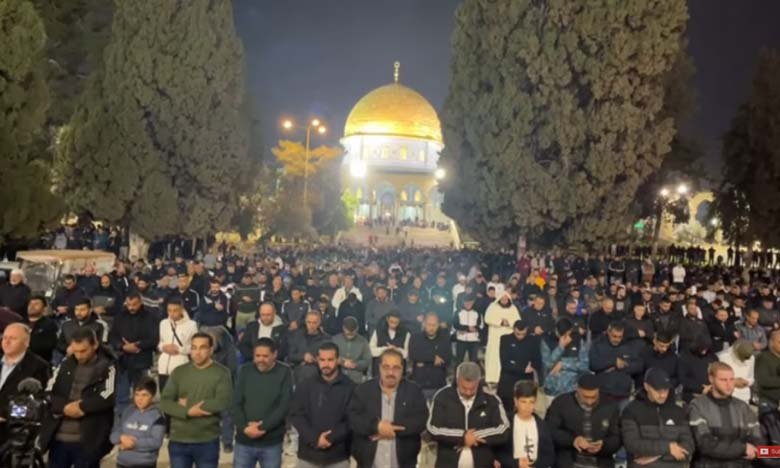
(396, 70)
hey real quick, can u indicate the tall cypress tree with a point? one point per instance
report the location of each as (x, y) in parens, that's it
(554, 115)
(26, 201)
(160, 141)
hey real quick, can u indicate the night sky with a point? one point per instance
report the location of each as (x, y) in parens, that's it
(307, 57)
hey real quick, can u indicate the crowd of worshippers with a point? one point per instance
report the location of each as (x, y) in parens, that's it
(380, 355)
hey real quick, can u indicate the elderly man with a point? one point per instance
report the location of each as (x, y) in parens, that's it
(17, 364)
(387, 415)
(468, 423)
(267, 325)
(430, 353)
(304, 343)
(15, 293)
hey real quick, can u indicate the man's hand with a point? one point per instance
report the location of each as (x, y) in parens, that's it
(386, 429)
(470, 439)
(757, 346)
(69, 350)
(246, 298)
(197, 411)
(129, 347)
(677, 451)
(292, 326)
(253, 431)
(642, 333)
(219, 306)
(504, 323)
(564, 341)
(472, 328)
(170, 348)
(580, 444)
(126, 442)
(739, 382)
(308, 358)
(438, 362)
(620, 363)
(529, 368)
(62, 310)
(538, 331)
(182, 402)
(556, 368)
(349, 364)
(73, 410)
(705, 389)
(750, 451)
(420, 318)
(595, 447)
(323, 442)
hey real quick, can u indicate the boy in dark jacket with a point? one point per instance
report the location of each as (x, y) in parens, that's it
(530, 439)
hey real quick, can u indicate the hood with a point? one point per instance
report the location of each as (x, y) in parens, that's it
(277, 321)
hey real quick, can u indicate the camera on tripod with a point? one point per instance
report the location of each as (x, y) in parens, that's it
(26, 411)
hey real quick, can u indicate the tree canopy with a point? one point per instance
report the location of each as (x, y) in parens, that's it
(555, 115)
(159, 140)
(26, 201)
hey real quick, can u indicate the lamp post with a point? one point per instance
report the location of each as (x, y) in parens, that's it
(319, 127)
(665, 197)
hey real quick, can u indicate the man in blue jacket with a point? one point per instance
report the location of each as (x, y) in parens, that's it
(616, 361)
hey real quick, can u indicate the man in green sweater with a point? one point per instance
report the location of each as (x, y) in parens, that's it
(768, 374)
(194, 396)
(260, 403)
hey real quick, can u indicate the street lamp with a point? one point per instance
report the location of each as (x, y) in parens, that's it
(664, 192)
(714, 222)
(665, 197)
(682, 189)
(439, 174)
(314, 124)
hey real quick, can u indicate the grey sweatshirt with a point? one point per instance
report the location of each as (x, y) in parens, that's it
(148, 428)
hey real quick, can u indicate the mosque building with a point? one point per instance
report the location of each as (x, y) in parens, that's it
(392, 140)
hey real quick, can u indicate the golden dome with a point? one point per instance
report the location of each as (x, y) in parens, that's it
(394, 110)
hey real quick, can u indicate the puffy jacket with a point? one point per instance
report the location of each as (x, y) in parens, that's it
(422, 354)
(574, 363)
(365, 412)
(319, 406)
(97, 403)
(721, 428)
(141, 327)
(693, 372)
(648, 428)
(209, 315)
(448, 423)
(250, 337)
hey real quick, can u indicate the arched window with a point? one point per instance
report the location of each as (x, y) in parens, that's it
(417, 196)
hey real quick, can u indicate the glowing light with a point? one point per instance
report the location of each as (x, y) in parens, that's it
(664, 192)
(287, 124)
(315, 123)
(439, 174)
(682, 189)
(357, 169)
(322, 130)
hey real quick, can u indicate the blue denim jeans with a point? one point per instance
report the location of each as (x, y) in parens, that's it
(246, 456)
(202, 455)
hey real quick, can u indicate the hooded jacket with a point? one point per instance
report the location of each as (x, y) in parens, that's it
(178, 333)
(250, 336)
(648, 428)
(148, 429)
(721, 428)
(574, 362)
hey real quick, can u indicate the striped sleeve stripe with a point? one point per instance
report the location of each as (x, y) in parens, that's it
(441, 431)
(109, 390)
(50, 384)
(498, 430)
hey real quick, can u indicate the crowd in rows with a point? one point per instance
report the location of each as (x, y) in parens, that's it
(487, 360)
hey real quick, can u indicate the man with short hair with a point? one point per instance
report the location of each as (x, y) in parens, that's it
(43, 329)
(319, 413)
(16, 364)
(750, 330)
(656, 432)
(585, 428)
(260, 422)
(267, 325)
(430, 353)
(248, 296)
(468, 424)
(303, 345)
(616, 361)
(77, 429)
(387, 414)
(354, 352)
(193, 397)
(215, 309)
(189, 298)
(83, 317)
(723, 442)
(521, 358)
(67, 297)
(294, 310)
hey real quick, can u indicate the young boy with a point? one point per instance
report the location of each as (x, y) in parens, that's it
(140, 431)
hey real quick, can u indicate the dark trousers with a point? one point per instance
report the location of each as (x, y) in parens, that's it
(463, 347)
(69, 455)
(125, 381)
(201, 455)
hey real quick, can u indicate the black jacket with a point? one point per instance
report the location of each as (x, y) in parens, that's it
(110, 298)
(667, 361)
(15, 297)
(545, 454)
(189, 298)
(97, 403)
(356, 309)
(693, 372)
(70, 325)
(448, 424)
(422, 354)
(209, 315)
(318, 406)
(667, 322)
(43, 337)
(67, 298)
(770, 433)
(515, 356)
(299, 344)
(142, 328)
(603, 357)
(600, 321)
(249, 338)
(648, 429)
(722, 333)
(365, 412)
(693, 330)
(565, 419)
(30, 366)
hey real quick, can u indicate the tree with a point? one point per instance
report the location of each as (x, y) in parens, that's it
(27, 204)
(748, 199)
(292, 155)
(554, 115)
(77, 32)
(159, 141)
